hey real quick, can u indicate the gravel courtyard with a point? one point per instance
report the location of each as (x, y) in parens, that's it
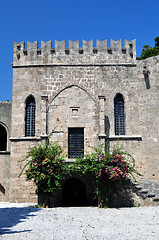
(22, 221)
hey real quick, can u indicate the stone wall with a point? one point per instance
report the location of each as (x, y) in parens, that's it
(86, 80)
(5, 121)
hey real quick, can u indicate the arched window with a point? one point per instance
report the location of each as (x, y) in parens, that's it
(119, 115)
(30, 117)
(3, 138)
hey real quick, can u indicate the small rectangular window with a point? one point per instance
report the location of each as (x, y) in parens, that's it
(75, 142)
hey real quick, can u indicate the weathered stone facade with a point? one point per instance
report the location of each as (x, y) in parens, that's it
(75, 88)
(5, 133)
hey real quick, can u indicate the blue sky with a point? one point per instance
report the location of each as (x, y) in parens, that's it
(33, 20)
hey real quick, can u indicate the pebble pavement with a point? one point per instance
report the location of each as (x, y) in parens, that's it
(20, 221)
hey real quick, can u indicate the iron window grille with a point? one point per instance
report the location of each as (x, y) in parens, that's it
(30, 117)
(75, 142)
(119, 115)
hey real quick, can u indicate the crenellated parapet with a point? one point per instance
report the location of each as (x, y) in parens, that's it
(6, 102)
(87, 55)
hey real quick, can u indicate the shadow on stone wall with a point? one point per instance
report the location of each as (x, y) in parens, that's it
(2, 189)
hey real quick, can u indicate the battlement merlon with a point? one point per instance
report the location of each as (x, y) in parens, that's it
(87, 55)
(8, 102)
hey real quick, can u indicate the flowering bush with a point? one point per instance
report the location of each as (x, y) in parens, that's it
(114, 167)
(108, 170)
(46, 166)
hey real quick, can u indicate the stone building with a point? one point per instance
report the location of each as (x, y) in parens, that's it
(5, 131)
(88, 96)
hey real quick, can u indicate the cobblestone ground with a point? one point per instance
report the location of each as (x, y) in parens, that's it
(22, 221)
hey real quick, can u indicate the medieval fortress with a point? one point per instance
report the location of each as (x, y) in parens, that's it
(88, 96)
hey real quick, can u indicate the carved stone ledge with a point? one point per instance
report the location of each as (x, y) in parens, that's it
(121, 137)
(25, 139)
(4, 153)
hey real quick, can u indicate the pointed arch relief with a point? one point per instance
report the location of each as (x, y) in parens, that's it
(70, 86)
(3, 137)
(72, 107)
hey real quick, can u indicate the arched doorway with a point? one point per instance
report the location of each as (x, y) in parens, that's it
(74, 193)
(3, 138)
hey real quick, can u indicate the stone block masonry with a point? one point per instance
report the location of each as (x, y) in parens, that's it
(75, 88)
(5, 132)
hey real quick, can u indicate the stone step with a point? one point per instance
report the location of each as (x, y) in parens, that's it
(147, 190)
(156, 198)
(150, 195)
(144, 191)
(138, 187)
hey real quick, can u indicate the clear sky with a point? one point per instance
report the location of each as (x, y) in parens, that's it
(45, 20)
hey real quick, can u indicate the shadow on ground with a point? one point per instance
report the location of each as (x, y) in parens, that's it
(10, 217)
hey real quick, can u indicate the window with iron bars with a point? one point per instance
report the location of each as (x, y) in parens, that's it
(119, 115)
(75, 142)
(30, 117)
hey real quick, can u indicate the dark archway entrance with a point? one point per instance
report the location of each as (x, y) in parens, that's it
(3, 138)
(74, 193)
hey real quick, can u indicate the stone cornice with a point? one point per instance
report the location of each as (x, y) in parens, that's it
(121, 137)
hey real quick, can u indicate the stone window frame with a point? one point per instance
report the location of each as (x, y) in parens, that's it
(77, 109)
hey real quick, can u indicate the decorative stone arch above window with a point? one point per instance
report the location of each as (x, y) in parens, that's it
(30, 110)
(70, 86)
